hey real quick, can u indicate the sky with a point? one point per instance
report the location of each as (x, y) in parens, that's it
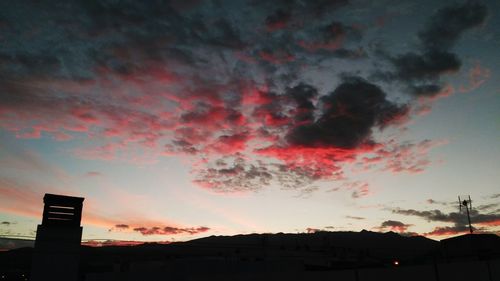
(182, 119)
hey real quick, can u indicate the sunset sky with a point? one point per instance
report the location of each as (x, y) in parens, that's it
(182, 119)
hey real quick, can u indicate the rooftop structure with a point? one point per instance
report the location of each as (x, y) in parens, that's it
(58, 238)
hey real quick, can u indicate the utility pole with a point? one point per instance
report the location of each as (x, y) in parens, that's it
(467, 204)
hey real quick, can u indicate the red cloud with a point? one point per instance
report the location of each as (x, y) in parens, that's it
(318, 162)
(253, 96)
(495, 222)
(230, 144)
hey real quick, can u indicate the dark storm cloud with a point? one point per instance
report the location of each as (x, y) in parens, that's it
(421, 71)
(130, 39)
(152, 33)
(30, 64)
(353, 54)
(278, 20)
(169, 230)
(425, 66)
(449, 230)
(330, 37)
(391, 224)
(348, 116)
(301, 33)
(448, 24)
(126, 37)
(487, 207)
(459, 220)
(323, 131)
(305, 8)
(321, 7)
(303, 95)
(437, 215)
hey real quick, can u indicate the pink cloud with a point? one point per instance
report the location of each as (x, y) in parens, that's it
(409, 157)
(477, 75)
(360, 189)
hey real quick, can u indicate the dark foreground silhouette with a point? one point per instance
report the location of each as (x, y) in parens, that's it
(356, 256)
(344, 256)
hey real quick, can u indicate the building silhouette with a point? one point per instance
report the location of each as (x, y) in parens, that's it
(57, 245)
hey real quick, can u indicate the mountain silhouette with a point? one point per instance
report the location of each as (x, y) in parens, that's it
(312, 252)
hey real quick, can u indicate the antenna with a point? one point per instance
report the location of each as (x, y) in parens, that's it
(467, 204)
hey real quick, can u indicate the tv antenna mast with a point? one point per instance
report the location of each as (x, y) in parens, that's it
(467, 204)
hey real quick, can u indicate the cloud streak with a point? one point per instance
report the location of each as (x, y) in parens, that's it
(169, 230)
(482, 222)
(393, 225)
